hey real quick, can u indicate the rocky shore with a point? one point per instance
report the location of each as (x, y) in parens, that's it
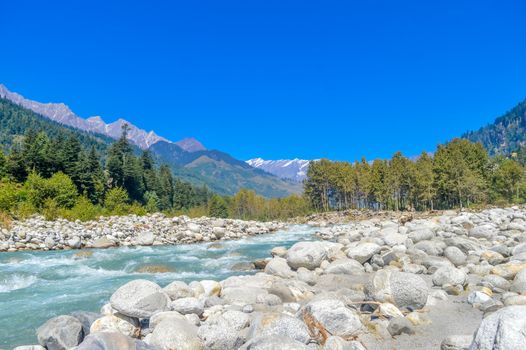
(450, 282)
(38, 234)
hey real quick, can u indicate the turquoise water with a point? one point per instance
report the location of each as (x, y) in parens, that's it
(35, 286)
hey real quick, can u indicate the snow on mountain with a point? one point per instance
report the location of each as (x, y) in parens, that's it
(62, 114)
(292, 169)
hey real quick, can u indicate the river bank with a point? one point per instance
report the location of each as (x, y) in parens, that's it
(454, 281)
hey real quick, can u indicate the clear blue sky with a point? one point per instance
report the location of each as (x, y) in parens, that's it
(276, 79)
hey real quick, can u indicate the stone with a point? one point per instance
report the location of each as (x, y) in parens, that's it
(519, 282)
(505, 329)
(163, 315)
(102, 243)
(86, 318)
(30, 347)
(400, 325)
(145, 238)
(278, 324)
(363, 251)
(60, 333)
(389, 310)
(279, 251)
(338, 343)
(177, 334)
(456, 342)
(140, 298)
(188, 306)
(243, 266)
(455, 255)
(334, 316)
(419, 235)
(478, 297)
(449, 275)
(178, 289)
(404, 290)
(278, 267)
(217, 337)
(74, 242)
(345, 266)
(112, 341)
(306, 254)
(211, 288)
(273, 343)
(483, 231)
(117, 323)
(508, 270)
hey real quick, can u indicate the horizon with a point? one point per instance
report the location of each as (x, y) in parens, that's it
(338, 81)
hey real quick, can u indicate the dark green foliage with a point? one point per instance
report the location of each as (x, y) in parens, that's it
(505, 135)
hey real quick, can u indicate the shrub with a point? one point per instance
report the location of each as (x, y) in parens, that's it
(58, 187)
(116, 200)
(10, 194)
(83, 210)
(50, 209)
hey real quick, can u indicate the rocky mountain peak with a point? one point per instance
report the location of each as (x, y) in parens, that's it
(190, 144)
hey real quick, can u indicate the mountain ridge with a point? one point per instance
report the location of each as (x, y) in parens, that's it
(291, 169)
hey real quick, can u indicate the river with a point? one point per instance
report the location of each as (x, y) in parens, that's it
(36, 286)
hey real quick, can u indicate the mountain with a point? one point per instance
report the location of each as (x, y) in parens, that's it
(220, 171)
(62, 114)
(505, 135)
(188, 158)
(292, 169)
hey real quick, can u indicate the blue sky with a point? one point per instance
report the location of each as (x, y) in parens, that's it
(275, 79)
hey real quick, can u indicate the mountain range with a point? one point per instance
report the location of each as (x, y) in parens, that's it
(188, 158)
(292, 169)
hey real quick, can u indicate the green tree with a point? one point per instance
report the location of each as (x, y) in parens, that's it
(217, 207)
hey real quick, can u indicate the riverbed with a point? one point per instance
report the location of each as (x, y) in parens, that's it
(35, 286)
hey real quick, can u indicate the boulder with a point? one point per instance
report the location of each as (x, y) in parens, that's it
(139, 298)
(145, 238)
(278, 324)
(504, 329)
(211, 288)
(455, 255)
(519, 282)
(278, 267)
(188, 306)
(74, 242)
(60, 333)
(178, 289)
(345, 266)
(163, 315)
(456, 342)
(449, 275)
(363, 251)
(273, 343)
(177, 334)
(112, 341)
(86, 318)
(404, 290)
(117, 323)
(423, 234)
(337, 343)
(306, 254)
(334, 316)
(400, 325)
(102, 243)
(483, 231)
(217, 337)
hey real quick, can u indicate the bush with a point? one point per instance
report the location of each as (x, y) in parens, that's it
(58, 187)
(50, 209)
(116, 200)
(10, 195)
(83, 210)
(217, 207)
(152, 202)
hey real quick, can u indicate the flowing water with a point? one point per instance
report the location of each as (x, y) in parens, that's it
(35, 286)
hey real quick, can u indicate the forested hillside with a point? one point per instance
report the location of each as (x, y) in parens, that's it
(505, 135)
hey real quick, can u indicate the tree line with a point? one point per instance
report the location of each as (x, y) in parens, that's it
(459, 174)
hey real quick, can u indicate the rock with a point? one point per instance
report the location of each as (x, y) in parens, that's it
(333, 316)
(154, 269)
(508, 270)
(30, 347)
(139, 298)
(363, 252)
(60, 333)
(449, 275)
(455, 255)
(74, 242)
(504, 329)
(278, 267)
(243, 266)
(171, 334)
(404, 290)
(279, 251)
(49, 242)
(273, 343)
(456, 342)
(220, 338)
(178, 289)
(86, 318)
(278, 324)
(188, 306)
(337, 343)
(345, 266)
(421, 235)
(83, 254)
(103, 243)
(117, 323)
(475, 298)
(389, 310)
(495, 282)
(112, 341)
(306, 254)
(160, 316)
(483, 231)
(211, 288)
(519, 282)
(400, 325)
(145, 238)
